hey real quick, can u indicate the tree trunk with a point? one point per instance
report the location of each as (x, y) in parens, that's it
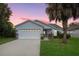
(64, 23)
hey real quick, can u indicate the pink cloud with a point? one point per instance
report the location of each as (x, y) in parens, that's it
(18, 17)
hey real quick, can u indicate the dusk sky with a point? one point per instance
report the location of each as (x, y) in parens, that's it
(24, 11)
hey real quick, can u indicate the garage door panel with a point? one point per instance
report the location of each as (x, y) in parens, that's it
(31, 35)
(35, 34)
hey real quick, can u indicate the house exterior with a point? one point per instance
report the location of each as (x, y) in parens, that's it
(29, 30)
(35, 29)
(55, 29)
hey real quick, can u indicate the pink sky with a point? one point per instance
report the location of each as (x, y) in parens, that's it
(22, 12)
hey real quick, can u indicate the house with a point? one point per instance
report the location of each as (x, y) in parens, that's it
(74, 30)
(55, 29)
(29, 30)
(35, 29)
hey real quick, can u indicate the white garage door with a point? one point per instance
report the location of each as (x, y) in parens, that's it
(29, 34)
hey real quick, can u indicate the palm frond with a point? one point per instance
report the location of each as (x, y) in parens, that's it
(62, 11)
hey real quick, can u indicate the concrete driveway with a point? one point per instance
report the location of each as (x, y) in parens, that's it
(21, 48)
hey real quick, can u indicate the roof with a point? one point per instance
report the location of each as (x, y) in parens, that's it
(73, 27)
(55, 26)
(28, 21)
(42, 24)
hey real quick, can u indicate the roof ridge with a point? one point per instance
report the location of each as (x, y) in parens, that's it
(28, 21)
(41, 22)
(23, 22)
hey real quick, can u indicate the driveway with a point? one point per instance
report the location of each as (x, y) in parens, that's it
(21, 48)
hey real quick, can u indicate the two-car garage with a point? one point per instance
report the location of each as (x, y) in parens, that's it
(28, 30)
(29, 34)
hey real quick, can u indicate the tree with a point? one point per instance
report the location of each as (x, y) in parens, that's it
(62, 12)
(6, 27)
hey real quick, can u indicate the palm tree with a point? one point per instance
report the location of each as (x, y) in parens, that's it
(62, 12)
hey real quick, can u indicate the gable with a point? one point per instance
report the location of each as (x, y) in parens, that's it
(28, 25)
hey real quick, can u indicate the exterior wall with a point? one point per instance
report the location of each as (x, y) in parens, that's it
(74, 33)
(68, 32)
(61, 31)
(54, 32)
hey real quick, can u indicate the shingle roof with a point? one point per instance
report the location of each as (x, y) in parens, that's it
(55, 26)
(42, 24)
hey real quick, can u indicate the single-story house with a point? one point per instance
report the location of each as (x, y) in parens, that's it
(29, 30)
(34, 29)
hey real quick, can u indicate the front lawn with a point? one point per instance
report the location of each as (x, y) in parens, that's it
(56, 48)
(5, 40)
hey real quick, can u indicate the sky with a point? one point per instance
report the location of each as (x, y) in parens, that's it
(33, 11)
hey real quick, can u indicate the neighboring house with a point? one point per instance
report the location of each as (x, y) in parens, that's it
(74, 30)
(29, 30)
(55, 29)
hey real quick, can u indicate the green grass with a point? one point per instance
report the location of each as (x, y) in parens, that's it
(55, 47)
(5, 40)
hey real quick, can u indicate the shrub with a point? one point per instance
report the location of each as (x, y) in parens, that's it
(68, 36)
(50, 36)
(60, 35)
(55, 36)
(42, 36)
